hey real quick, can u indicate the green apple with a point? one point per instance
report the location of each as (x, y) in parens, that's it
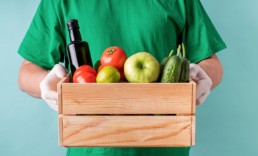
(141, 67)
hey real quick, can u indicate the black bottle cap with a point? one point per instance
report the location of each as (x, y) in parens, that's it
(72, 24)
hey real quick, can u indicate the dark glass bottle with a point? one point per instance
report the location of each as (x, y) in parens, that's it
(78, 50)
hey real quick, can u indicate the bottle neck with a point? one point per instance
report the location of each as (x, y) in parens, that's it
(75, 35)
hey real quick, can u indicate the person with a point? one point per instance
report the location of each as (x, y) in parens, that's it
(155, 26)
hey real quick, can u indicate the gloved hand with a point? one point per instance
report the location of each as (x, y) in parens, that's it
(203, 82)
(48, 85)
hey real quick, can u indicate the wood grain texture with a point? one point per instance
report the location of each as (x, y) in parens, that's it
(60, 130)
(193, 97)
(128, 98)
(128, 131)
(121, 114)
(193, 130)
(59, 92)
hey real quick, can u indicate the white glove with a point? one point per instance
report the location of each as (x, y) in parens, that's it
(48, 85)
(203, 83)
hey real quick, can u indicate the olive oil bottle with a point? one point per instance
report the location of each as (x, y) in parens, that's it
(78, 50)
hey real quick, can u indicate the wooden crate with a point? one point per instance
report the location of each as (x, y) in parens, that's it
(126, 114)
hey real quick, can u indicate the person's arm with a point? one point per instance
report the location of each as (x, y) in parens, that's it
(213, 69)
(207, 74)
(41, 83)
(30, 77)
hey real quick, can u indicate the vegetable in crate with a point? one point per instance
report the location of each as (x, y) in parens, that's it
(172, 69)
(163, 63)
(84, 74)
(185, 67)
(113, 56)
(165, 60)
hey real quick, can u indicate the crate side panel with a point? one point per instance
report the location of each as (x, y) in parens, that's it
(127, 98)
(127, 131)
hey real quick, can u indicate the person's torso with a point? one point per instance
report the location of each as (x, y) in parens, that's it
(136, 25)
(146, 25)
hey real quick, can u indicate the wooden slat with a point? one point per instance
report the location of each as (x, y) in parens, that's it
(59, 92)
(194, 98)
(60, 130)
(128, 131)
(128, 98)
(193, 130)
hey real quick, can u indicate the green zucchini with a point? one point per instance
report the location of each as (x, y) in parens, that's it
(172, 69)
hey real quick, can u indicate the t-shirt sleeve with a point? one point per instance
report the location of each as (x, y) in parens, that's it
(43, 43)
(200, 37)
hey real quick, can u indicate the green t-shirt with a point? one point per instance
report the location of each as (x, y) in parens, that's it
(155, 26)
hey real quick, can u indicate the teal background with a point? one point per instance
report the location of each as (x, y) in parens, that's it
(226, 123)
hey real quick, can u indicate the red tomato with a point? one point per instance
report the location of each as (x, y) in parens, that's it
(85, 77)
(84, 74)
(113, 56)
(85, 68)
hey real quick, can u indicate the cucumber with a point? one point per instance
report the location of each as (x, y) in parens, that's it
(163, 63)
(165, 60)
(184, 76)
(172, 69)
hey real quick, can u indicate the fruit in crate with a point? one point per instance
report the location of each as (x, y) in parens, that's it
(141, 67)
(108, 74)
